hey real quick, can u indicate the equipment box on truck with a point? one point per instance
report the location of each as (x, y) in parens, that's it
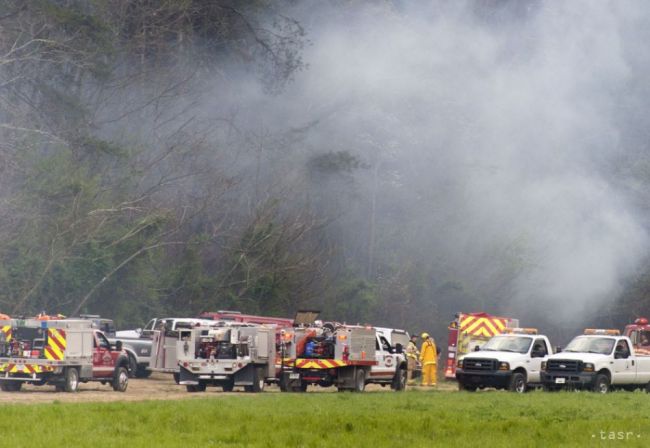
(226, 355)
(62, 353)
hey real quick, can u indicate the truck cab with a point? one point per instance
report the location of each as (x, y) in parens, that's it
(391, 360)
(511, 361)
(597, 360)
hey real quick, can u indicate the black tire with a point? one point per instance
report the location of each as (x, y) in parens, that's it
(258, 380)
(359, 381)
(133, 366)
(71, 382)
(518, 383)
(143, 372)
(601, 384)
(466, 387)
(399, 382)
(228, 386)
(11, 386)
(302, 387)
(120, 379)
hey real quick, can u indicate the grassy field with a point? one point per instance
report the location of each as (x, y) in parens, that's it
(410, 419)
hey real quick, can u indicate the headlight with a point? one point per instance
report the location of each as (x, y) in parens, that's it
(543, 365)
(504, 366)
(588, 367)
(459, 364)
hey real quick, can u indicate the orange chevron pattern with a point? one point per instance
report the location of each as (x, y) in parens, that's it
(482, 326)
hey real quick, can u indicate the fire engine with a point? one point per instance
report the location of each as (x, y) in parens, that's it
(345, 356)
(226, 354)
(163, 358)
(62, 352)
(470, 330)
(639, 334)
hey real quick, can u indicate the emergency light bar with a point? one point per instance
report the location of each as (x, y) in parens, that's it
(601, 331)
(520, 330)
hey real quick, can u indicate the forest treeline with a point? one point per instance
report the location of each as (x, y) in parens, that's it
(123, 193)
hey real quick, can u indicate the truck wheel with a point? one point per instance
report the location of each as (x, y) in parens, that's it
(228, 386)
(517, 383)
(11, 386)
(399, 382)
(360, 381)
(601, 384)
(258, 380)
(71, 380)
(133, 366)
(143, 372)
(466, 387)
(120, 380)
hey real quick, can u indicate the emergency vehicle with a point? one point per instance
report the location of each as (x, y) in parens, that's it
(598, 360)
(511, 361)
(470, 330)
(639, 334)
(345, 356)
(62, 352)
(226, 354)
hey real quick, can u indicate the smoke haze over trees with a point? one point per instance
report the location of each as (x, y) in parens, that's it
(391, 162)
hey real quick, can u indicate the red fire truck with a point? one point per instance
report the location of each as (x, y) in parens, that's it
(639, 334)
(469, 330)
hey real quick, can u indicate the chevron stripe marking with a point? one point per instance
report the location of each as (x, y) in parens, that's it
(57, 338)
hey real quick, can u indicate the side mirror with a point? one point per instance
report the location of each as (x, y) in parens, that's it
(477, 348)
(118, 346)
(399, 348)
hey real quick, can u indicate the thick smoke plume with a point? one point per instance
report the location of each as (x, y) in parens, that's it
(495, 139)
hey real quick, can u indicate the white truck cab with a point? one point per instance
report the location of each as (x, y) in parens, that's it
(510, 361)
(391, 360)
(597, 360)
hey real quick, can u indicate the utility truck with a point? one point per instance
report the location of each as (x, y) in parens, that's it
(62, 353)
(598, 360)
(226, 355)
(511, 361)
(345, 356)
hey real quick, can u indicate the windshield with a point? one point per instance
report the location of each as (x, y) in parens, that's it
(516, 344)
(583, 344)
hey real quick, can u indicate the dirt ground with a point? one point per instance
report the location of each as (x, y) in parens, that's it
(157, 387)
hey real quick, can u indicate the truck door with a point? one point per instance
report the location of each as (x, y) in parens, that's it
(385, 359)
(103, 363)
(538, 353)
(624, 364)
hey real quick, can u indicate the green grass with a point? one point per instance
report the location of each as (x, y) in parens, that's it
(404, 420)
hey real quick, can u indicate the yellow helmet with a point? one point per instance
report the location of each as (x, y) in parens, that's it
(424, 335)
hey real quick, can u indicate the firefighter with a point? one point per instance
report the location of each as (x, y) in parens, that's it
(429, 360)
(412, 354)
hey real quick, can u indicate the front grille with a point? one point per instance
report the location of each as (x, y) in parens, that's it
(563, 366)
(479, 364)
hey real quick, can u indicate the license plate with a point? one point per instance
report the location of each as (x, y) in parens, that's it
(560, 380)
(294, 376)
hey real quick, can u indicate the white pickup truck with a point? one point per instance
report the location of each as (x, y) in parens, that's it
(598, 360)
(508, 361)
